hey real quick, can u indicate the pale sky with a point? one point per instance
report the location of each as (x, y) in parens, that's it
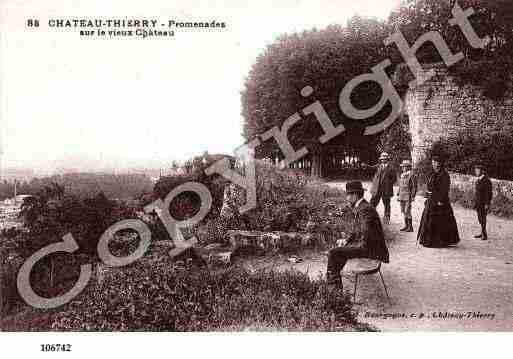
(118, 103)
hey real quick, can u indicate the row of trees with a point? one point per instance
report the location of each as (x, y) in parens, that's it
(121, 186)
(327, 59)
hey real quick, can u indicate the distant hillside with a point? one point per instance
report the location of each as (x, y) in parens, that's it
(120, 186)
(11, 174)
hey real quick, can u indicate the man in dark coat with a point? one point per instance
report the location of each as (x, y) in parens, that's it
(482, 199)
(366, 239)
(383, 185)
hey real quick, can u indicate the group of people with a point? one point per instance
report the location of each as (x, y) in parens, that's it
(437, 228)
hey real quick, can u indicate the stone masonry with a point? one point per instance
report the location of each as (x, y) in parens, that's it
(441, 108)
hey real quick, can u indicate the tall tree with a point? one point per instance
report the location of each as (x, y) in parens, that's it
(493, 18)
(325, 60)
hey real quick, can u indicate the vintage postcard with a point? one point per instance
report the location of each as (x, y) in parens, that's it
(262, 166)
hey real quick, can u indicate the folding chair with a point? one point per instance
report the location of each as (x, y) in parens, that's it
(364, 266)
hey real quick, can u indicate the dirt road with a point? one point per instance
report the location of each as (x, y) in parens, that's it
(469, 287)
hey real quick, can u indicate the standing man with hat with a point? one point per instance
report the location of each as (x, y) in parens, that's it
(483, 198)
(383, 185)
(407, 193)
(366, 239)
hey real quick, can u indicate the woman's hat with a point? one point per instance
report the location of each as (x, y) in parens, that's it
(354, 186)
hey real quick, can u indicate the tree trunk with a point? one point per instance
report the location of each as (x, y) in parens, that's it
(316, 170)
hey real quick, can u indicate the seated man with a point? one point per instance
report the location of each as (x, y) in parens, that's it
(366, 239)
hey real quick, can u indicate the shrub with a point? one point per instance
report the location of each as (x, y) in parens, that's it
(156, 298)
(501, 205)
(464, 150)
(10, 263)
(49, 216)
(186, 204)
(51, 276)
(214, 231)
(285, 200)
(463, 198)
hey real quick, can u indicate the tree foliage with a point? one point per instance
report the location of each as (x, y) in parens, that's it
(323, 59)
(493, 18)
(489, 67)
(463, 151)
(327, 59)
(396, 140)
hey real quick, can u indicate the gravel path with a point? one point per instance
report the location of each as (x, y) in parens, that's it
(469, 287)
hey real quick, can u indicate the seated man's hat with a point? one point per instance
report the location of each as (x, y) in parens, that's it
(354, 187)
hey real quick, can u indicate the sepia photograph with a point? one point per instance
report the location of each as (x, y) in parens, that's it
(228, 166)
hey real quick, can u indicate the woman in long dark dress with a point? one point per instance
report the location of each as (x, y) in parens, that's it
(438, 226)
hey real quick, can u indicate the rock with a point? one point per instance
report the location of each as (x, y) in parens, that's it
(295, 259)
(212, 247)
(221, 258)
(164, 244)
(244, 238)
(270, 241)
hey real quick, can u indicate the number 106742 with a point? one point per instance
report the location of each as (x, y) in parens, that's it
(55, 347)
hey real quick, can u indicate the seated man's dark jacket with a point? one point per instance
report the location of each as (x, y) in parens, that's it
(367, 233)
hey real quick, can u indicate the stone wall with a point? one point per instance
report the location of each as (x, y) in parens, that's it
(466, 183)
(441, 108)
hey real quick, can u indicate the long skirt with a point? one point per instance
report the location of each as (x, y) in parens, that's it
(438, 226)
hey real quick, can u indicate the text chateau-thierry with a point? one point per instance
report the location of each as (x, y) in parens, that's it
(132, 23)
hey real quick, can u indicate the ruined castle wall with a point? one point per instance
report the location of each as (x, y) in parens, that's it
(441, 108)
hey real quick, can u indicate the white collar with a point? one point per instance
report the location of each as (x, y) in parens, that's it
(481, 177)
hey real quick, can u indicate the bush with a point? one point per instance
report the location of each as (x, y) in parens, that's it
(186, 204)
(51, 276)
(285, 200)
(156, 298)
(10, 263)
(48, 217)
(501, 205)
(214, 231)
(463, 151)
